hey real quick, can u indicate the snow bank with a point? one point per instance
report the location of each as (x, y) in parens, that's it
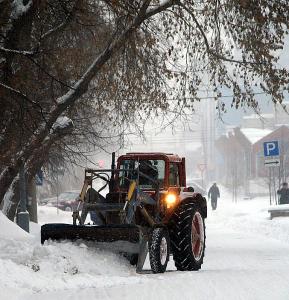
(27, 267)
(10, 230)
(279, 207)
(34, 268)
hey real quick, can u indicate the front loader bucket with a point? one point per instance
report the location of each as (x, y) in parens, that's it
(117, 238)
(121, 238)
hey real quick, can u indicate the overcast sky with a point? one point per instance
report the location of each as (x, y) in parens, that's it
(234, 117)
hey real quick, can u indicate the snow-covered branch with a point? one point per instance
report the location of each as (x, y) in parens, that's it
(20, 52)
(62, 123)
(19, 8)
(155, 9)
(21, 95)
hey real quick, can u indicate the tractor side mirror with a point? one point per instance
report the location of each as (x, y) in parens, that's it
(189, 189)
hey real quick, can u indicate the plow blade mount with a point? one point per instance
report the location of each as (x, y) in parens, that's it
(119, 238)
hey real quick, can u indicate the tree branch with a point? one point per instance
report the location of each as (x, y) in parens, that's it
(60, 26)
(159, 8)
(25, 97)
(19, 52)
(211, 51)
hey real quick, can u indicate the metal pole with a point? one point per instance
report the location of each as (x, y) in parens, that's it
(274, 187)
(57, 183)
(23, 215)
(270, 186)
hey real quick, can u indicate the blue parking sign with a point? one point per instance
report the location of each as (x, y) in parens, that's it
(271, 148)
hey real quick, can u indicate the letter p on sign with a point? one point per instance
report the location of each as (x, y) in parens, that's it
(271, 148)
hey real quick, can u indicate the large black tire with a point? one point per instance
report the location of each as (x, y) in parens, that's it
(159, 250)
(188, 237)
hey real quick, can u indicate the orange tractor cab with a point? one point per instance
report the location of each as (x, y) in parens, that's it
(148, 209)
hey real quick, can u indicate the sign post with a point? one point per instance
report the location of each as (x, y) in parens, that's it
(39, 178)
(272, 160)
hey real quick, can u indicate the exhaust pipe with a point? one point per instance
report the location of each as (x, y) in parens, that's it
(111, 182)
(112, 163)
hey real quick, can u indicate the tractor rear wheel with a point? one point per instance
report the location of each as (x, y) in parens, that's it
(159, 250)
(187, 233)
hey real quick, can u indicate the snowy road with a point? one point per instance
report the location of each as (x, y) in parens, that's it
(237, 266)
(242, 261)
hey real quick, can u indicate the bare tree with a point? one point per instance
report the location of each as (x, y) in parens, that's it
(127, 57)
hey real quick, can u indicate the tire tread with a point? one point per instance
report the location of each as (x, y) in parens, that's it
(180, 235)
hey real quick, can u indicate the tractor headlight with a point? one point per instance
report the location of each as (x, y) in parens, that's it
(170, 200)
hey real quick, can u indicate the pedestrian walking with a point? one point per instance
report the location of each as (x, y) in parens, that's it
(214, 194)
(283, 194)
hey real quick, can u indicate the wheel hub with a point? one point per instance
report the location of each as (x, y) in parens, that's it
(163, 250)
(198, 236)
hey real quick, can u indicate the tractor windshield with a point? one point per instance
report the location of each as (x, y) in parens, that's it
(149, 172)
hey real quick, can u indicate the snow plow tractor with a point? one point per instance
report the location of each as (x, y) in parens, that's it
(147, 210)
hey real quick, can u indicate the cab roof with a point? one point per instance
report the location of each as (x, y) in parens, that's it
(151, 155)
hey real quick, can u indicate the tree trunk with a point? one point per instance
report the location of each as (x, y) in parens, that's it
(32, 200)
(32, 166)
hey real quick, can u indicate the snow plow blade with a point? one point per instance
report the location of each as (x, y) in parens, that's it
(120, 238)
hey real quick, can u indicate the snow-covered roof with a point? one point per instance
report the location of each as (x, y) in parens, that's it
(255, 134)
(256, 116)
(280, 125)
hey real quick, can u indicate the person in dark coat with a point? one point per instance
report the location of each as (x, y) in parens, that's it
(214, 194)
(284, 194)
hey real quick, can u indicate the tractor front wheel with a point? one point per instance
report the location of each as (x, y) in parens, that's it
(159, 250)
(187, 232)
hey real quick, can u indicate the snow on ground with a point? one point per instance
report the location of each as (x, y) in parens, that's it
(10, 230)
(246, 258)
(249, 216)
(27, 267)
(50, 214)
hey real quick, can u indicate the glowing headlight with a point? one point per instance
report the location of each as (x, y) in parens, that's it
(170, 199)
